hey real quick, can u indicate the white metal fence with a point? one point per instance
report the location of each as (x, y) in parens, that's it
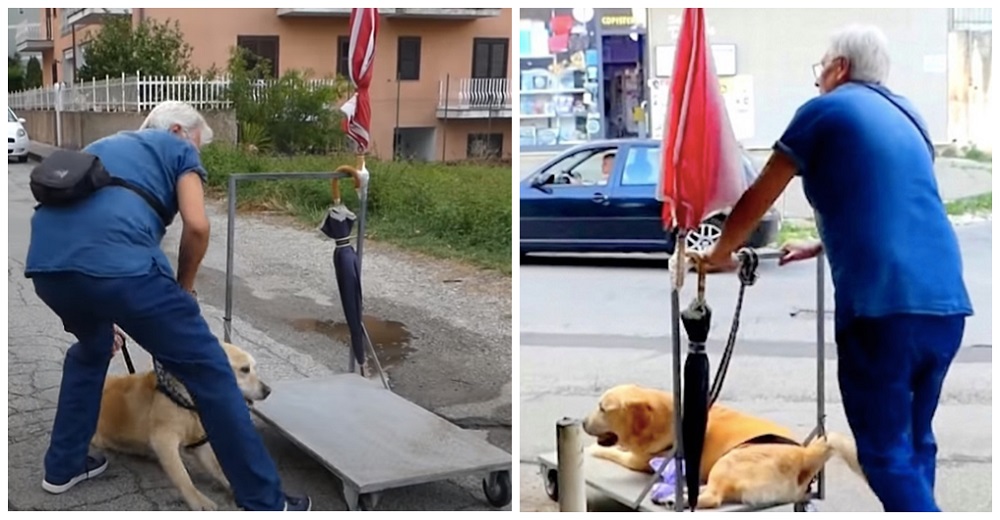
(474, 93)
(133, 94)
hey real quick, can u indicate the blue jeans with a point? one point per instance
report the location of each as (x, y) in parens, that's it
(891, 371)
(166, 320)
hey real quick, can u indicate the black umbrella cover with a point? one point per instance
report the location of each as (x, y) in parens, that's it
(697, 319)
(338, 225)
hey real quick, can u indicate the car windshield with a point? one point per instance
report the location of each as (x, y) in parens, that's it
(11, 118)
(749, 169)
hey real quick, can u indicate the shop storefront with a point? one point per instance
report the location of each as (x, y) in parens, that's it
(582, 76)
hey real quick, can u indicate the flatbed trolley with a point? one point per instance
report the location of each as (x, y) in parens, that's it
(372, 439)
(632, 488)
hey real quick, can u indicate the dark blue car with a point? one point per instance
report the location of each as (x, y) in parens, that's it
(600, 197)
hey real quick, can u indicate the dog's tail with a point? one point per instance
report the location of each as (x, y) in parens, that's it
(847, 450)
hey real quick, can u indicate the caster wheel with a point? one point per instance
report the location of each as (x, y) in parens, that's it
(497, 488)
(552, 484)
(367, 502)
(806, 507)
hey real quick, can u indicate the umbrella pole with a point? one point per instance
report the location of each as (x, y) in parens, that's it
(675, 334)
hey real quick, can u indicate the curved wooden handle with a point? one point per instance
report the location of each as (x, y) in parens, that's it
(702, 267)
(335, 183)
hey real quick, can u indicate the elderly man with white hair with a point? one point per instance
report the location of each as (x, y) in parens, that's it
(98, 263)
(867, 167)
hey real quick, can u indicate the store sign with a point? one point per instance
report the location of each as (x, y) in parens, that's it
(617, 20)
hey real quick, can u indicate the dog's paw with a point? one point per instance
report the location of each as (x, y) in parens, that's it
(203, 503)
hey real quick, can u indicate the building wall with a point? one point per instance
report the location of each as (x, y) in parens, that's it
(310, 43)
(778, 47)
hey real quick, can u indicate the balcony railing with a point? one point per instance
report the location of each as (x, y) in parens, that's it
(31, 37)
(393, 12)
(475, 98)
(91, 15)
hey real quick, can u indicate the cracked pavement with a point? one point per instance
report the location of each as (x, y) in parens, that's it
(456, 362)
(587, 324)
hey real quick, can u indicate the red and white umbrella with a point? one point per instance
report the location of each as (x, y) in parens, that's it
(358, 109)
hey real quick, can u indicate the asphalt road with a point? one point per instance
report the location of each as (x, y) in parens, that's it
(443, 331)
(588, 324)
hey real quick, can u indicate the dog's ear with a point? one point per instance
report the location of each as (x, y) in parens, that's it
(641, 414)
(610, 403)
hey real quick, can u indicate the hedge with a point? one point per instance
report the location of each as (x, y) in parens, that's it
(445, 210)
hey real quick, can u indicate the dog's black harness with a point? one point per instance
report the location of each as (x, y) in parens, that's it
(167, 385)
(170, 387)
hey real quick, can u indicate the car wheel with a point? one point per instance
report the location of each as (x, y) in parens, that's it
(705, 236)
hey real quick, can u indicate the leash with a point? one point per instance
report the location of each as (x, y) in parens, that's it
(125, 354)
(749, 261)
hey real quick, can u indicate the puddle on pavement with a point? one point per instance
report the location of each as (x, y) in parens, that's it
(391, 339)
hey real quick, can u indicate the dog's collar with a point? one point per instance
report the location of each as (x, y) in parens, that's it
(170, 387)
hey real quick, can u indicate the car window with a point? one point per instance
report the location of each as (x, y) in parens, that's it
(590, 167)
(11, 118)
(642, 167)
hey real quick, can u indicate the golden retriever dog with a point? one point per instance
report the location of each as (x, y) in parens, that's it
(140, 419)
(746, 459)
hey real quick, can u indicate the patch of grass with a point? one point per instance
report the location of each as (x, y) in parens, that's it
(462, 212)
(797, 231)
(971, 205)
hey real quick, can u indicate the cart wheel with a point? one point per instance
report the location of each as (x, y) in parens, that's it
(367, 502)
(552, 484)
(805, 507)
(497, 488)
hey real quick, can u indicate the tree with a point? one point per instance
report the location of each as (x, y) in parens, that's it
(15, 74)
(33, 75)
(149, 47)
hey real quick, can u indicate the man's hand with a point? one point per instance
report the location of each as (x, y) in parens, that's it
(799, 250)
(119, 341)
(719, 260)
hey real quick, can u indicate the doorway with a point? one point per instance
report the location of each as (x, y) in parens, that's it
(624, 79)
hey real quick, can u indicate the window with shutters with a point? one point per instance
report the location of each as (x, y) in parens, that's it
(260, 48)
(489, 57)
(408, 58)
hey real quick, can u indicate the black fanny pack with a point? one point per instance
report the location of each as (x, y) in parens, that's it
(67, 177)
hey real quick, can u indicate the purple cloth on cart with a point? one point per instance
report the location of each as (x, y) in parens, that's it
(663, 491)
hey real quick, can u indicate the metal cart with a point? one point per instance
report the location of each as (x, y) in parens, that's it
(631, 488)
(370, 438)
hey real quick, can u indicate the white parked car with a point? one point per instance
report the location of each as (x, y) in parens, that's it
(18, 141)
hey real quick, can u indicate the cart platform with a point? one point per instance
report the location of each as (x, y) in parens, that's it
(621, 484)
(374, 440)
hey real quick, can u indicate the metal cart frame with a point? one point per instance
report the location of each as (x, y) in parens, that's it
(322, 415)
(642, 482)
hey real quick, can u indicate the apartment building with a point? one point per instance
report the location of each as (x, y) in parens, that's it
(440, 88)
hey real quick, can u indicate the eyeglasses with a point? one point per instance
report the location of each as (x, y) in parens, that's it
(818, 70)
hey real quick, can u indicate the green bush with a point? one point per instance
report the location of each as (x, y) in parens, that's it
(461, 212)
(292, 114)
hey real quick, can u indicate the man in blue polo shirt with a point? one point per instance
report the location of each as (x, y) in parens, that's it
(99, 263)
(867, 169)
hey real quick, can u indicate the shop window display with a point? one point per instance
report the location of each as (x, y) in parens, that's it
(560, 61)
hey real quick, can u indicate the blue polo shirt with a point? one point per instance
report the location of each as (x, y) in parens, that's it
(115, 232)
(868, 172)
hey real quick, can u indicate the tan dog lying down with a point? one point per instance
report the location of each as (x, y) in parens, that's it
(138, 418)
(746, 459)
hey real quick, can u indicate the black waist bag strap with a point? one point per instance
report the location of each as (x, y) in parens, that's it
(67, 177)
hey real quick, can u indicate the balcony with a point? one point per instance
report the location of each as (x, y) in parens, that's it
(92, 15)
(30, 37)
(395, 12)
(475, 98)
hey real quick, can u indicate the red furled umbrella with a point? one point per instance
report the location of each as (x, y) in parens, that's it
(701, 173)
(364, 30)
(701, 168)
